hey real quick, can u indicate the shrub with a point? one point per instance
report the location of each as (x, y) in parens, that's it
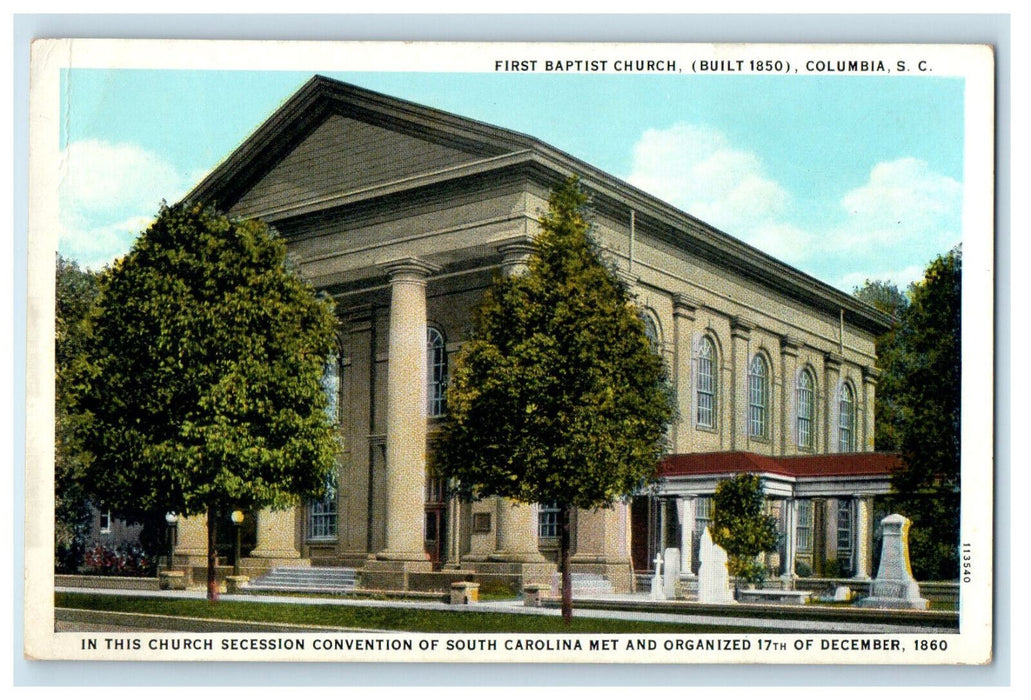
(124, 560)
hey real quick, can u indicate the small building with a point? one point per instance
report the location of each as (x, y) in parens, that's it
(404, 214)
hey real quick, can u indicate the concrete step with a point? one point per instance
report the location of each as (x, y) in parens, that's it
(312, 579)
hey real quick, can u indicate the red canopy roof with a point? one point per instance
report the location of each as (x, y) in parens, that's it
(847, 464)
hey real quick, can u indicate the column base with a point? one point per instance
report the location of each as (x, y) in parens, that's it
(527, 557)
(391, 575)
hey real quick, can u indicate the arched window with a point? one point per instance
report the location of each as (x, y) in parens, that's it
(806, 403)
(758, 397)
(436, 363)
(706, 391)
(846, 419)
(651, 330)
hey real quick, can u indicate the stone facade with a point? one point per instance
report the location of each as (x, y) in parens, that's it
(404, 215)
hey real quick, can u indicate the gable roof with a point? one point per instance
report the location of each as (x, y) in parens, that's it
(496, 149)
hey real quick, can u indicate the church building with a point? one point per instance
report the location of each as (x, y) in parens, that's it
(404, 214)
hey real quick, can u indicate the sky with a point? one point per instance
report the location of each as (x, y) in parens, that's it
(846, 178)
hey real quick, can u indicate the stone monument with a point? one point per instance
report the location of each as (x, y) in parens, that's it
(671, 572)
(894, 586)
(657, 588)
(713, 579)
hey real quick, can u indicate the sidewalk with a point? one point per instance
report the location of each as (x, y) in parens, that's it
(515, 606)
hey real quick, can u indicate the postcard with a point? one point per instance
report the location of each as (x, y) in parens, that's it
(510, 352)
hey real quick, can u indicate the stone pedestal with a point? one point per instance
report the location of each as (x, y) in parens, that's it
(895, 586)
(603, 545)
(235, 583)
(533, 594)
(465, 593)
(172, 581)
(713, 579)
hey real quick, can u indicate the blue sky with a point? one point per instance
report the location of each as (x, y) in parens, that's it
(846, 178)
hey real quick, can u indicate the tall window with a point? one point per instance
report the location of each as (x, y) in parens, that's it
(322, 515)
(547, 520)
(706, 384)
(846, 419)
(804, 526)
(436, 361)
(845, 535)
(804, 398)
(702, 514)
(758, 397)
(651, 331)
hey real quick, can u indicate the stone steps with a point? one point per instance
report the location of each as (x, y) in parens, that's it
(585, 585)
(307, 579)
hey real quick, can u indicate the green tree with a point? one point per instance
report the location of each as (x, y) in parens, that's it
(928, 389)
(204, 387)
(741, 525)
(76, 292)
(889, 412)
(558, 397)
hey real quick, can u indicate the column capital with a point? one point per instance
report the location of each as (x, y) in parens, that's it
(832, 361)
(629, 279)
(790, 345)
(685, 306)
(409, 269)
(871, 374)
(741, 327)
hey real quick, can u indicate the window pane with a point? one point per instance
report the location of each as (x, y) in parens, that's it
(805, 401)
(846, 419)
(436, 363)
(758, 397)
(706, 393)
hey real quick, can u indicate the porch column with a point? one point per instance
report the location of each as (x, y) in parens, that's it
(278, 534)
(863, 510)
(683, 322)
(406, 411)
(517, 532)
(790, 541)
(740, 333)
(685, 510)
(192, 536)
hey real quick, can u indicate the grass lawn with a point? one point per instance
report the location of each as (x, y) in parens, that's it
(409, 619)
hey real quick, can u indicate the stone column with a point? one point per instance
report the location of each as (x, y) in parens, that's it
(517, 532)
(870, 376)
(789, 374)
(740, 333)
(603, 545)
(863, 510)
(685, 511)
(831, 375)
(683, 324)
(514, 256)
(790, 539)
(406, 411)
(192, 538)
(278, 534)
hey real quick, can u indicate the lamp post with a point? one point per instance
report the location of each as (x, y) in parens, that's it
(237, 517)
(172, 520)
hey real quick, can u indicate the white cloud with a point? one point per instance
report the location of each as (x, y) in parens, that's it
(107, 194)
(697, 169)
(890, 228)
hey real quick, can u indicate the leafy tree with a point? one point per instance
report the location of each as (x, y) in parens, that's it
(76, 292)
(558, 397)
(741, 525)
(918, 408)
(204, 387)
(927, 490)
(889, 412)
